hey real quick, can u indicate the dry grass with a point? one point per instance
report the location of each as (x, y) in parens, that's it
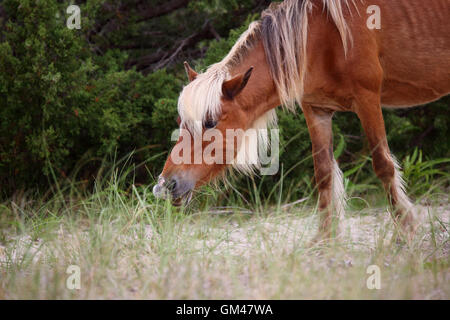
(132, 247)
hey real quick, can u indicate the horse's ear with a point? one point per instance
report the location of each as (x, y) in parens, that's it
(231, 88)
(190, 72)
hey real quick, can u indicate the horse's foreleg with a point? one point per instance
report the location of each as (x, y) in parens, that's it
(386, 168)
(327, 174)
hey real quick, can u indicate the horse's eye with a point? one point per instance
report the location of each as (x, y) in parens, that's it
(209, 124)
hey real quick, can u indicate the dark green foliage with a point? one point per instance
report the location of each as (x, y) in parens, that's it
(68, 97)
(59, 103)
(41, 74)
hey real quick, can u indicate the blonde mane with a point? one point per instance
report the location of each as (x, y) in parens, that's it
(283, 29)
(201, 98)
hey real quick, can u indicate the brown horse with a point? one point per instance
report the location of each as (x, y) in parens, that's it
(326, 56)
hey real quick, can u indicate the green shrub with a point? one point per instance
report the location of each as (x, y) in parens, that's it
(63, 103)
(59, 103)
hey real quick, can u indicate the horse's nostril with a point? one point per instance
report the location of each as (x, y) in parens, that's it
(171, 186)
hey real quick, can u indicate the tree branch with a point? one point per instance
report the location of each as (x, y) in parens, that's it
(161, 59)
(163, 9)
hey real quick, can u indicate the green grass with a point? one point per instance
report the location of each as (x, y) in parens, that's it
(130, 245)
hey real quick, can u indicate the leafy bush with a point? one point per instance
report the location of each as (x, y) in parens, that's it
(57, 105)
(64, 102)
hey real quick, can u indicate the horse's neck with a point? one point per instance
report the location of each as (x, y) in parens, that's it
(260, 91)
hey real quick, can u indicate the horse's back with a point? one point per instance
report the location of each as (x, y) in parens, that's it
(414, 51)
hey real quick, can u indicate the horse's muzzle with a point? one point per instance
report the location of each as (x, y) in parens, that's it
(174, 188)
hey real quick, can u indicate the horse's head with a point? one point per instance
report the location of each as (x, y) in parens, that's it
(216, 111)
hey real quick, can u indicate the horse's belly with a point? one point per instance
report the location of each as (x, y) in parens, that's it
(414, 51)
(414, 75)
(404, 94)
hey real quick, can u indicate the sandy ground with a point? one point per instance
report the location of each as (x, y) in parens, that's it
(230, 243)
